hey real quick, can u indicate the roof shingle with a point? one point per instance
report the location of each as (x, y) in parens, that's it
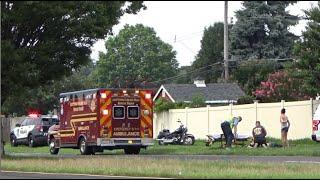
(213, 91)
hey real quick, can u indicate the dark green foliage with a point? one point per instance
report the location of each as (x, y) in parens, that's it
(136, 55)
(45, 98)
(162, 105)
(307, 51)
(245, 100)
(249, 74)
(261, 31)
(211, 52)
(184, 75)
(44, 41)
(198, 101)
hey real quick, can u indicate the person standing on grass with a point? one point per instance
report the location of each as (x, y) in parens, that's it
(227, 127)
(285, 124)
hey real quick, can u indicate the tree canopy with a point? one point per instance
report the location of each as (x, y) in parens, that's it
(136, 55)
(262, 30)
(211, 52)
(44, 41)
(45, 98)
(307, 51)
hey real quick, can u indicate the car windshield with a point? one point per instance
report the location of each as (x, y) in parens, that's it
(49, 121)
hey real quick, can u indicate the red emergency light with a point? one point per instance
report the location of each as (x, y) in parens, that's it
(33, 113)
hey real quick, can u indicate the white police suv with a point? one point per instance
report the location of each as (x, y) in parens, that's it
(33, 130)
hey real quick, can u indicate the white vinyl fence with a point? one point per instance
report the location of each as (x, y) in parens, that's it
(207, 120)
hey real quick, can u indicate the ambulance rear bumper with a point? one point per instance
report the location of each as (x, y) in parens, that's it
(114, 142)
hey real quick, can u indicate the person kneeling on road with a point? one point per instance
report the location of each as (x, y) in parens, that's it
(227, 127)
(259, 136)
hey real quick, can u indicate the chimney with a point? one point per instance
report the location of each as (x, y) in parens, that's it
(199, 83)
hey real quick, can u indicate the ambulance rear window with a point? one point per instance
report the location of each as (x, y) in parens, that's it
(118, 112)
(133, 112)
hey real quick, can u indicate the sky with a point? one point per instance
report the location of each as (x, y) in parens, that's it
(185, 22)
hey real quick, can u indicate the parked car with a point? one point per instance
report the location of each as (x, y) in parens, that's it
(33, 130)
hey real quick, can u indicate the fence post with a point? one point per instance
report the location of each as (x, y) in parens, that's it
(230, 109)
(208, 118)
(256, 107)
(311, 104)
(186, 109)
(282, 104)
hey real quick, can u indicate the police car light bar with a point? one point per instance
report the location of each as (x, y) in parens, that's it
(33, 115)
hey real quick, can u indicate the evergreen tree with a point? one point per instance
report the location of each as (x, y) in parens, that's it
(261, 30)
(307, 51)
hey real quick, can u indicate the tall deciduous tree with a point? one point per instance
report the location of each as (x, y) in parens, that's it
(44, 41)
(134, 56)
(261, 30)
(46, 97)
(211, 52)
(307, 51)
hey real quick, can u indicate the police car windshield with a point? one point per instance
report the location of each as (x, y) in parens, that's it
(49, 121)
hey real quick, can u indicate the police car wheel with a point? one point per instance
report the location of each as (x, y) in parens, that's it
(30, 141)
(13, 140)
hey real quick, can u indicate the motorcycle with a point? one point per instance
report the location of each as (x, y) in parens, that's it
(179, 136)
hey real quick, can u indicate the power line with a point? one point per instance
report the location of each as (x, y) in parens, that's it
(187, 47)
(214, 64)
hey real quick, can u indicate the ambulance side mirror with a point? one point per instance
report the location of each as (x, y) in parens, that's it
(18, 125)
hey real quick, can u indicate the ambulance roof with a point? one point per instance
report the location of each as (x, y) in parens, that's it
(95, 90)
(81, 91)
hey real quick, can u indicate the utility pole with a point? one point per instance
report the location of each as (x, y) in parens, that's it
(226, 53)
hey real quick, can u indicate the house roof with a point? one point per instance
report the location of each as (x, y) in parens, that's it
(214, 92)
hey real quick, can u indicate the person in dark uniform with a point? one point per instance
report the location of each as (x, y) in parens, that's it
(227, 127)
(259, 134)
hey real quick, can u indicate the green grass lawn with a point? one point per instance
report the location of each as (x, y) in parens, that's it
(303, 147)
(139, 166)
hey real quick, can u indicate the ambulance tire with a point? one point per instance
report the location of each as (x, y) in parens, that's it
(136, 150)
(53, 149)
(132, 150)
(84, 149)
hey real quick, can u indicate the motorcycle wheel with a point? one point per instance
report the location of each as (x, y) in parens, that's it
(161, 143)
(188, 140)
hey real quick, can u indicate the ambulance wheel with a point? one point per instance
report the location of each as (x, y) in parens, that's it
(52, 145)
(132, 150)
(84, 148)
(136, 150)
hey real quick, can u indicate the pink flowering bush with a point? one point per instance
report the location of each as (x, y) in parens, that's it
(279, 86)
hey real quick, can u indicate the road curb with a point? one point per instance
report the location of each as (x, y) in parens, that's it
(88, 175)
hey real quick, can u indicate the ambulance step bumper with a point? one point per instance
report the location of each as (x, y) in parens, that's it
(112, 142)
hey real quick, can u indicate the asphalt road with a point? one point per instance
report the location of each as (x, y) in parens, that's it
(35, 175)
(278, 159)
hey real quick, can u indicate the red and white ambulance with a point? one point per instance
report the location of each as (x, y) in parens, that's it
(97, 119)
